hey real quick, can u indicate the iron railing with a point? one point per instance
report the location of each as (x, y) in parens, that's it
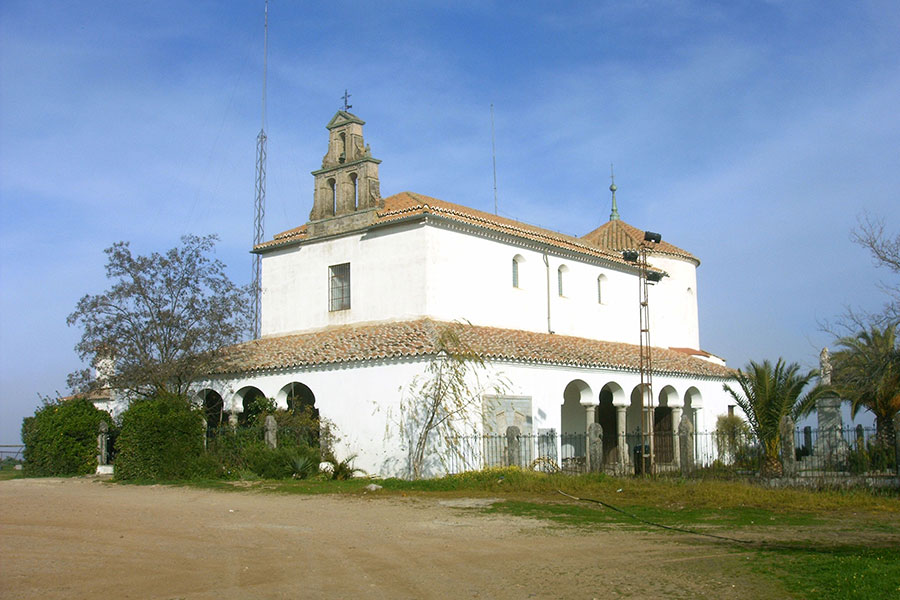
(835, 453)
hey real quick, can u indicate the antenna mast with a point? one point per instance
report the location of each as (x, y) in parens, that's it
(494, 157)
(260, 212)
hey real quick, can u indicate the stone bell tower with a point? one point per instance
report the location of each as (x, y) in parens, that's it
(347, 183)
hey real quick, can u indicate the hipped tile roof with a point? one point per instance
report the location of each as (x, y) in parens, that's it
(409, 204)
(419, 338)
(618, 235)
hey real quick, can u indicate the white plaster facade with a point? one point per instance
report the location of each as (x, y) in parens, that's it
(363, 401)
(432, 269)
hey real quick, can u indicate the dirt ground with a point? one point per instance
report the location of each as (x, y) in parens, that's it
(82, 538)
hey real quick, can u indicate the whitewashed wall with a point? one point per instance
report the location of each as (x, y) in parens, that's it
(674, 318)
(410, 271)
(364, 401)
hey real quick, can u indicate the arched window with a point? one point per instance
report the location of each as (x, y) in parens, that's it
(601, 283)
(353, 181)
(516, 262)
(560, 276)
(333, 188)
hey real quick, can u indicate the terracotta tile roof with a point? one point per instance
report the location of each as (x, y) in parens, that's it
(409, 339)
(409, 204)
(618, 235)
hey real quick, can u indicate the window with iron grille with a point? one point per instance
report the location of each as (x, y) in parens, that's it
(339, 287)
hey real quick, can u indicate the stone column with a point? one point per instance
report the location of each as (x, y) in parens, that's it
(233, 419)
(788, 458)
(271, 434)
(513, 447)
(590, 411)
(698, 428)
(621, 448)
(686, 443)
(103, 443)
(594, 448)
(676, 444)
(831, 424)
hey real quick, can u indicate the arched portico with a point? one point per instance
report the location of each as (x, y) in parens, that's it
(611, 417)
(573, 418)
(297, 397)
(244, 404)
(664, 425)
(213, 409)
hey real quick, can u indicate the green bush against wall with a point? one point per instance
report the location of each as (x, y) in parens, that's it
(162, 438)
(61, 438)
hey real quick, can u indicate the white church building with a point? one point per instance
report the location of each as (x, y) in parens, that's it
(353, 301)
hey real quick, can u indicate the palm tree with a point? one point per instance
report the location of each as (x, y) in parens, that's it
(767, 394)
(867, 372)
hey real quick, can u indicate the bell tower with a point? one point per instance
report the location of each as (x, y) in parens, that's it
(347, 183)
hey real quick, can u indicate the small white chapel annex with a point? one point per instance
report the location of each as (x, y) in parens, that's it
(353, 299)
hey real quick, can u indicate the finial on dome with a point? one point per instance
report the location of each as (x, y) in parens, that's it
(614, 215)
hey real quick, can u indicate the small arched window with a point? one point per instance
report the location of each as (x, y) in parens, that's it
(601, 284)
(332, 186)
(516, 263)
(355, 183)
(560, 277)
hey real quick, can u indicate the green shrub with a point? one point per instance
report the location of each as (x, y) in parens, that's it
(242, 453)
(61, 438)
(162, 438)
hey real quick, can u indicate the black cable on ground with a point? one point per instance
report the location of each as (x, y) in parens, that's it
(669, 527)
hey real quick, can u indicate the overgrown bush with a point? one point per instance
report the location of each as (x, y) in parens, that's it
(242, 453)
(61, 438)
(162, 438)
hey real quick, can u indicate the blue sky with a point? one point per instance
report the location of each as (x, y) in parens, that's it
(751, 133)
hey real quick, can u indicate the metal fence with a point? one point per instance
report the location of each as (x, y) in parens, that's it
(11, 451)
(811, 453)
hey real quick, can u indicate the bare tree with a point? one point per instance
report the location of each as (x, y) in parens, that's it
(162, 323)
(870, 234)
(443, 404)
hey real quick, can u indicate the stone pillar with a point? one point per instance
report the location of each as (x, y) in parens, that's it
(233, 419)
(621, 448)
(698, 427)
(831, 424)
(102, 444)
(513, 447)
(271, 434)
(788, 458)
(590, 412)
(590, 416)
(594, 448)
(205, 431)
(676, 444)
(686, 444)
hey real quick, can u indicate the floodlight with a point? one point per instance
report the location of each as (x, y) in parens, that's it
(649, 236)
(630, 255)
